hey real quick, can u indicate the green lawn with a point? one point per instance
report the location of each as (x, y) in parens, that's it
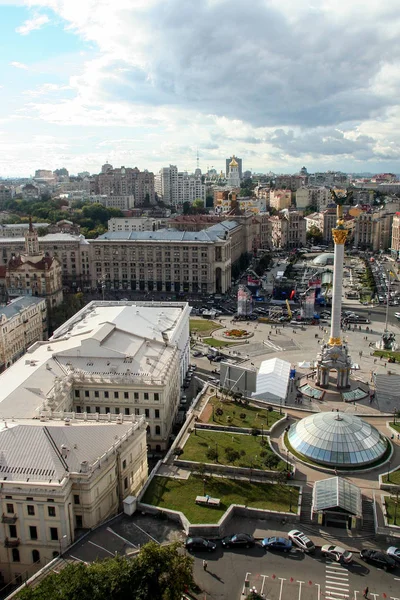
(393, 477)
(180, 494)
(390, 502)
(197, 446)
(203, 326)
(395, 426)
(388, 354)
(254, 416)
(217, 343)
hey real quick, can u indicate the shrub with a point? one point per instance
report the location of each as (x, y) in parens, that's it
(255, 431)
(212, 454)
(178, 451)
(243, 415)
(219, 412)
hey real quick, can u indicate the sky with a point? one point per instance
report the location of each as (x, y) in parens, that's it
(147, 83)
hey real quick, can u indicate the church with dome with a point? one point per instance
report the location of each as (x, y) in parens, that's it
(233, 180)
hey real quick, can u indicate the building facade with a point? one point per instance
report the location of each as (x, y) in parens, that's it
(395, 242)
(72, 478)
(288, 230)
(239, 162)
(19, 229)
(22, 323)
(114, 201)
(233, 180)
(280, 199)
(135, 224)
(125, 182)
(175, 187)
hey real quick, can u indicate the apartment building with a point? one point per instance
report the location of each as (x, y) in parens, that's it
(60, 477)
(325, 221)
(290, 182)
(71, 250)
(135, 224)
(320, 197)
(176, 187)
(395, 242)
(374, 230)
(125, 182)
(22, 323)
(166, 260)
(114, 201)
(288, 230)
(280, 199)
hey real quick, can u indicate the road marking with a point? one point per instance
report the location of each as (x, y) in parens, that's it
(244, 585)
(101, 548)
(120, 537)
(300, 582)
(337, 587)
(397, 578)
(336, 595)
(319, 590)
(78, 559)
(263, 583)
(280, 593)
(145, 532)
(336, 577)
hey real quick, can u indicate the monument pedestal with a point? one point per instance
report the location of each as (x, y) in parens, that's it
(334, 358)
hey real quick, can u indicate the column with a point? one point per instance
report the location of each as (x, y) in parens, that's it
(335, 338)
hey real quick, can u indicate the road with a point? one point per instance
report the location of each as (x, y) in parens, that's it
(293, 576)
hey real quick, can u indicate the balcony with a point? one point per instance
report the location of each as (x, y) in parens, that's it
(9, 519)
(14, 543)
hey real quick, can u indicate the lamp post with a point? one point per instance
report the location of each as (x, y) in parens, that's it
(388, 471)
(395, 507)
(204, 486)
(290, 499)
(287, 459)
(64, 537)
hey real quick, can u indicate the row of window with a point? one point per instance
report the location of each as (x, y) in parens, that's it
(116, 395)
(35, 557)
(117, 411)
(33, 532)
(51, 510)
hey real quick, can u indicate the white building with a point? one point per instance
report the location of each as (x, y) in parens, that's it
(320, 197)
(134, 224)
(120, 359)
(60, 477)
(233, 174)
(120, 202)
(175, 188)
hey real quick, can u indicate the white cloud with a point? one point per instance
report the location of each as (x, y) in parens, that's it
(19, 65)
(32, 24)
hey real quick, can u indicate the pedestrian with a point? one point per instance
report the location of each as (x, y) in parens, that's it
(205, 567)
(365, 592)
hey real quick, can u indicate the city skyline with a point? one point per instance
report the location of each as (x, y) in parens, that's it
(147, 84)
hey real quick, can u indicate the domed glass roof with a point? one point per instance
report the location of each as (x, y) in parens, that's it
(337, 439)
(324, 259)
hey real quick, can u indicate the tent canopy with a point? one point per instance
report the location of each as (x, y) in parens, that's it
(272, 380)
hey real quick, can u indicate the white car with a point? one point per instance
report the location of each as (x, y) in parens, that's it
(300, 540)
(394, 553)
(337, 553)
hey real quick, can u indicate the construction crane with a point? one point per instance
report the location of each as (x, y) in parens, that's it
(289, 310)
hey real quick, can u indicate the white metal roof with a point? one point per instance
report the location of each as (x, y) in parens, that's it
(272, 380)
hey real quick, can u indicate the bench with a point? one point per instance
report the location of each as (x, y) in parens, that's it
(208, 501)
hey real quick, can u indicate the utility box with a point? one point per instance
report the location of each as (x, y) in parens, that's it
(130, 504)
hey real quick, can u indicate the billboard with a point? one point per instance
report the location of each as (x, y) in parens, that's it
(244, 301)
(238, 379)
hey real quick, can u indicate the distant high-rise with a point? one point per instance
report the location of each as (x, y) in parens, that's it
(175, 187)
(239, 162)
(124, 182)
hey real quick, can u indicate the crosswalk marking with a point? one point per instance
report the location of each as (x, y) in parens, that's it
(336, 582)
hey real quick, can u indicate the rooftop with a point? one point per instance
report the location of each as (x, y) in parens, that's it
(49, 237)
(211, 234)
(19, 304)
(336, 492)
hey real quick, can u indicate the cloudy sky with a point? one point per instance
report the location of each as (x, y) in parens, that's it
(280, 83)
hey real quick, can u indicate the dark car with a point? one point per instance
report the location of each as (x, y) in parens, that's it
(238, 540)
(200, 544)
(277, 543)
(378, 558)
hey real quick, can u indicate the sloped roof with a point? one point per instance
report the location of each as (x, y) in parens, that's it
(272, 380)
(336, 492)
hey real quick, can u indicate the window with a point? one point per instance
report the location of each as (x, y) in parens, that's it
(125, 483)
(86, 393)
(13, 531)
(35, 556)
(107, 410)
(137, 411)
(15, 554)
(116, 395)
(157, 413)
(77, 499)
(78, 409)
(147, 413)
(158, 430)
(52, 511)
(31, 510)
(79, 521)
(88, 409)
(124, 464)
(77, 393)
(136, 395)
(10, 508)
(96, 393)
(54, 533)
(156, 396)
(146, 396)
(33, 532)
(105, 394)
(55, 554)
(116, 410)
(126, 395)
(98, 409)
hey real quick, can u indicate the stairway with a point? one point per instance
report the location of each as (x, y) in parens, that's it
(368, 525)
(305, 511)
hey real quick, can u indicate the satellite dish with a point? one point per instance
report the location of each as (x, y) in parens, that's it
(355, 212)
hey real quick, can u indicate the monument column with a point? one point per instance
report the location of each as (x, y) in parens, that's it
(339, 238)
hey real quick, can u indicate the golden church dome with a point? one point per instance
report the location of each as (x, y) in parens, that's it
(233, 162)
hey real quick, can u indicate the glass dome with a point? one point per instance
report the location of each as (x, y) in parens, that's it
(337, 439)
(323, 260)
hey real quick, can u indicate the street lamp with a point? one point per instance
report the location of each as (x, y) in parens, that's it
(64, 537)
(204, 486)
(388, 471)
(280, 406)
(287, 459)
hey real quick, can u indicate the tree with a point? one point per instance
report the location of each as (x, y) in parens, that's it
(212, 454)
(186, 208)
(157, 572)
(231, 454)
(314, 233)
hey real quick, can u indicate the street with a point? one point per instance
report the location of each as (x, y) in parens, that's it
(292, 576)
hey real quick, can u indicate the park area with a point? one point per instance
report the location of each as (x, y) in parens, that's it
(237, 414)
(180, 494)
(239, 450)
(203, 327)
(392, 510)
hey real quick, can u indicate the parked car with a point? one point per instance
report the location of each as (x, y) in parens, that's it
(276, 543)
(199, 544)
(394, 553)
(238, 540)
(337, 553)
(197, 353)
(300, 540)
(378, 558)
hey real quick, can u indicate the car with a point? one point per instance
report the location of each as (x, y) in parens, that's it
(199, 544)
(276, 543)
(300, 540)
(197, 353)
(337, 553)
(378, 558)
(238, 540)
(394, 553)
